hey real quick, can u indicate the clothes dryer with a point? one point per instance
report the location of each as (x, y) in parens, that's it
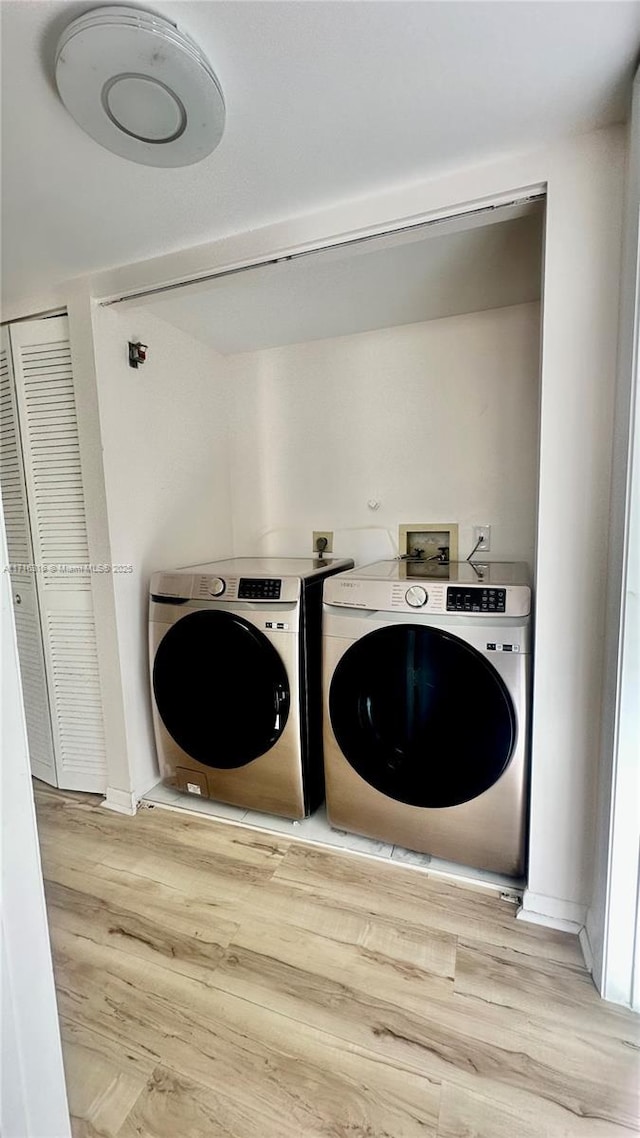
(426, 707)
(235, 660)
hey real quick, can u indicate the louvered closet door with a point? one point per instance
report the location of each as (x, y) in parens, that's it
(23, 584)
(47, 414)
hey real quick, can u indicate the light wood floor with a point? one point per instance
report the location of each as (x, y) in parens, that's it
(216, 982)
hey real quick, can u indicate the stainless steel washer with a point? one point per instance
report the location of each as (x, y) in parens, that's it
(426, 708)
(235, 660)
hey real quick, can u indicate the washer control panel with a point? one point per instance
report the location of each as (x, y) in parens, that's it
(469, 598)
(184, 587)
(259, 589)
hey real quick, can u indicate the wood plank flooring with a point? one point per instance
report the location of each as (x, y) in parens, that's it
(217, 982)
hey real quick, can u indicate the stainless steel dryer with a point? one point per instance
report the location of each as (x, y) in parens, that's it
(426, 708)
(235, 659)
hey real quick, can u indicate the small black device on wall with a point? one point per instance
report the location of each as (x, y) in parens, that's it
(137, 353)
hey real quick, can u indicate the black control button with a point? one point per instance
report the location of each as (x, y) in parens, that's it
(267, 589)
(482, 599)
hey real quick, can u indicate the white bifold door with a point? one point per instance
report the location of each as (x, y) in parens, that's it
(43, 500)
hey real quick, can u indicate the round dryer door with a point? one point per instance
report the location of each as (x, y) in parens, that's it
(422, 716)
(220, 688)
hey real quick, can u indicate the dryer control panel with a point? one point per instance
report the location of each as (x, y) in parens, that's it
(428, 597)
(469, 598)
(259, 589)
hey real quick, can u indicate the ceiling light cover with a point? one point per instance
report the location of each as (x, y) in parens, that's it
(139, 87)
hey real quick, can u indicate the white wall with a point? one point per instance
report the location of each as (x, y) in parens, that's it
(33, 1100)
(97, 521)
(437, 421)
(164, 438)
(580, 317)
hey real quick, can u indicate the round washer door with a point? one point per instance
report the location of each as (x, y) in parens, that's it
(422, 716)
(220, 688)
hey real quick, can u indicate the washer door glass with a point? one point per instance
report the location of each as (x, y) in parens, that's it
(422, 716)
(221, 689)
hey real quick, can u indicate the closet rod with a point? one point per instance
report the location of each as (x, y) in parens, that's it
(400, 231)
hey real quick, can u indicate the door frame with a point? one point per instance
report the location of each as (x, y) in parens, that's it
(34, 1097)
(612, 935)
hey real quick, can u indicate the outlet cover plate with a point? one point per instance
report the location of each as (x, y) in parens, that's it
(326, 533)
(483, 532)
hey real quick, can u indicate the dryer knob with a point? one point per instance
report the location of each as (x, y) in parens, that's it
(217, 587)
(416, 596)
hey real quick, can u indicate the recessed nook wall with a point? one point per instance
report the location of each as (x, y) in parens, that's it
(164, 432)
(434, 420)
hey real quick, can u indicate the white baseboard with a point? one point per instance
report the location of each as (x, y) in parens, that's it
(538, 909)
(45, 773)
(585, 945)
(548, 922)
(146, 786)
(122, 801)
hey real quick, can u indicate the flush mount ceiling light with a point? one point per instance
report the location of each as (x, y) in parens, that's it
(139, 87)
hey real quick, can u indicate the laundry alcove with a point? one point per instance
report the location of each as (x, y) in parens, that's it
(354, 389)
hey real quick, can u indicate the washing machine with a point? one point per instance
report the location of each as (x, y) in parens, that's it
(235, 661)
(426, 679)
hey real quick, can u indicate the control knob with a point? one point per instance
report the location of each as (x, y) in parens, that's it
(217, 587)
(416, 596)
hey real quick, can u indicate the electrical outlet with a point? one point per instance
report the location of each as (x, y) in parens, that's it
(482, 538)
(321, 535)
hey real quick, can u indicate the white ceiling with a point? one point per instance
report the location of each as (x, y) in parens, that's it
(325, 101)
(380, 283)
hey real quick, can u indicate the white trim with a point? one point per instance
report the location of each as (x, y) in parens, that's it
(60, 310)
(121, 801)
(585, 945)
(594, 936)
(42, 772)
(466, 216)
(635, 977)
(613, 915)
(552, 912)
(103, 585)
(147, 786)
(373, 215)
(547, 922)
(33, 1103)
